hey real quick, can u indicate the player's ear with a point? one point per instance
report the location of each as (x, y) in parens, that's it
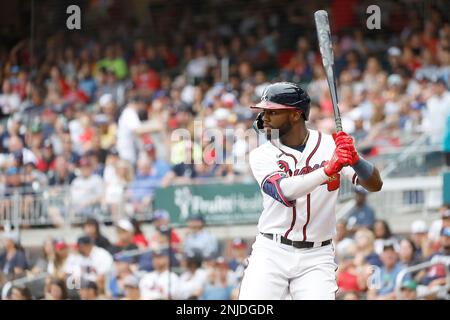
(296, 116)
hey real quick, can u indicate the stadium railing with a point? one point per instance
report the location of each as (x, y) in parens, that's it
(441, 292)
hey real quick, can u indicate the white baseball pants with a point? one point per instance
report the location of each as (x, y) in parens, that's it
(277, 272)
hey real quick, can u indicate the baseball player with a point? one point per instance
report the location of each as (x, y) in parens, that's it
(299, 174)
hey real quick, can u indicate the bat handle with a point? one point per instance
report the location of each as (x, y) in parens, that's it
(338, 124)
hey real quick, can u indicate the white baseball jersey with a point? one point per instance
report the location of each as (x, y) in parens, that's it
(311, 217)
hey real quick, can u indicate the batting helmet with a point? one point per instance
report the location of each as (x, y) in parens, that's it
(285, 95)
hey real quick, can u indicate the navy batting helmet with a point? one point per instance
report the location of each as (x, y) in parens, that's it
(285, 95)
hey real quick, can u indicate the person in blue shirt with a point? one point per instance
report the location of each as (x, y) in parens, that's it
(386, 276)
(198, 239)
(13, 261)
(147, 180)
(219, 285)
(362, 215)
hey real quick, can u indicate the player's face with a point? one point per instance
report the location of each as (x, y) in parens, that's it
(277, 120)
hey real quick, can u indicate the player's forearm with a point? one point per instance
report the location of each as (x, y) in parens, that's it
(372, 183)
(298, 186)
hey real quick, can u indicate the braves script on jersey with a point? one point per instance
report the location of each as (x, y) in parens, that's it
(309, 218)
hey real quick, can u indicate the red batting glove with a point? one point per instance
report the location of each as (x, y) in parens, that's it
(342, 139)
(341, 158)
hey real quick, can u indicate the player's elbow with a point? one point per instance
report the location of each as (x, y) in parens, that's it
(375, 187)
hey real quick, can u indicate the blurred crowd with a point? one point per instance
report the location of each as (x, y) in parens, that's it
(97, 110)
(159, 265)
(95, 114)
(162, 264)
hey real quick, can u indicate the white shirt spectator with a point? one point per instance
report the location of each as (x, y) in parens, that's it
(126, 140)
(155, 286)
(85, 190)
(9, 102)
(198, 67)
(438, 110)
(98, 263)
(192, 283)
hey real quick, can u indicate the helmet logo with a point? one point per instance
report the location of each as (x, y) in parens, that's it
(264, 97)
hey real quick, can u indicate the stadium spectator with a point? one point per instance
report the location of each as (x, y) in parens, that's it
(387, 275)
(131, 288)
(348, 276)
(362, 215)
(46, 262)
(436, 275)
(383, 234)
(125, 234)
(239, 255)
(13, 262)
(88, 290)
(419, 237)
(408, 253)
(116, 179)
(364, 240)
(434, 233)
(144, 184)
(342, 239)
(139, 238)
(159, 284)
(91, 228)
(92, 263)
(130, 128)
(57, 290)
(86, 191)
(161, 220)
(438, 110)
(198, 239)
(193, 280)
(121, 269)
(9, 100)
(219, 285)
(408, 290)
(20, 293)
(61, 175)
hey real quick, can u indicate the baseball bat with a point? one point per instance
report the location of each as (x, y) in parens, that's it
(326, 51)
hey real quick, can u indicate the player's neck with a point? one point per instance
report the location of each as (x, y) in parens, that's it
(296, 137)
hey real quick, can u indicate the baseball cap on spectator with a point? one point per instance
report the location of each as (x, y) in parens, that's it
(196, 217)
(388, 245)
(160, 214)
(131, 281)
(123, 258)
(239, 243)
(409, 284)
(60, 245)
(445, 232)
(88, 284)
(85, 240)
(419, 226)
(221, 262)
(125, 225)
(105, 99)
(394, 52)
(394, 80)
